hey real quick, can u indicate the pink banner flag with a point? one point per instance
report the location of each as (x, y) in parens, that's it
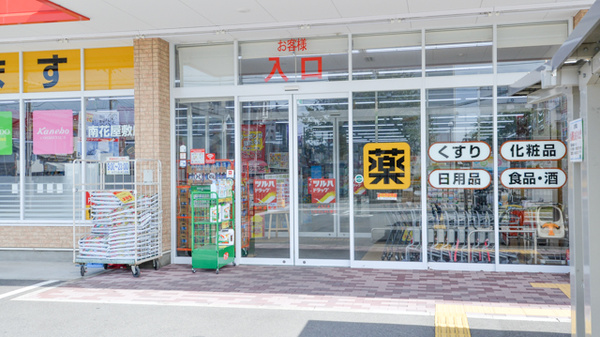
(53, 132)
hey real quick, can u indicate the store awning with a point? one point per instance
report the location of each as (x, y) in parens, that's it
(35, 11)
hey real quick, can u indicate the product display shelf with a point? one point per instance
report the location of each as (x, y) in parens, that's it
(212, 227)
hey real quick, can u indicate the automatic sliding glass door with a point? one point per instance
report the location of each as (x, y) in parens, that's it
(322, 180)
(295, 202)
(266, 222)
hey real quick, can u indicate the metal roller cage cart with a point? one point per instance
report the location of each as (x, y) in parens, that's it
(117, 212)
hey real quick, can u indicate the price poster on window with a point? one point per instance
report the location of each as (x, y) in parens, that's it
(197, 157)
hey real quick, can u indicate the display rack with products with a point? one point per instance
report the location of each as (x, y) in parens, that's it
(188, 176)
(212, 228)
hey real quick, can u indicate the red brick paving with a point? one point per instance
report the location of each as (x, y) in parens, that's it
(313, 288)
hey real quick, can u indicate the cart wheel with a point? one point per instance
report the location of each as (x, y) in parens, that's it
(155, 264)
(193, 270)
(82, 270)
(217, 271)
(105, 266)
(234, 264)
(135, 271)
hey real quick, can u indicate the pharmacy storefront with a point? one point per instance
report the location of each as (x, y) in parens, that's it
(404, 150)
(57, 106)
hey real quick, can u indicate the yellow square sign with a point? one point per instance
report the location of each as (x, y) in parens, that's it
(387, 166)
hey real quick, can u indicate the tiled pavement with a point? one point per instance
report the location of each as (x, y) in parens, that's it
(478, 294)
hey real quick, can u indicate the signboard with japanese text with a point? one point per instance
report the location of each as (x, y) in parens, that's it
(460, 179)
(529, 150)
(53, 70)
(106, 124)
(459, 151)
(9, 73)
(117, 166)
(529, 178)
(386, 166)
(6, 128)
(576, 140)
(53, 132)
(322, 191)
(310, 66)
(265, 191)
(60, 70)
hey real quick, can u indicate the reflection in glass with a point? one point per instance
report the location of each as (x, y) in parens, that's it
(524, 48)
(387, 223)
(458, 52)
(386, 56)
(533, 225)
(49, 176)
(265, 179)
(110, 128)
(9, 161)
(200, 125)
(460, 219)
(323, 179)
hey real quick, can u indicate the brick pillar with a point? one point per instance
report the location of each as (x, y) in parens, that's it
(577, 18)
(152, 111)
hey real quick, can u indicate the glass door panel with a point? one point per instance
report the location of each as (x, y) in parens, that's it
(265, 179)
(323, 201)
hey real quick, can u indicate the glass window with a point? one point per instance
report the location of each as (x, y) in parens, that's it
(200, 127)
(294, 60)
(10, 190)
(266, 179)
(204, 65)
(386, 56)
(460, 219)
(523, 48)
(323, 225)
(533, 195)
(110, 126)
(52, 143)
(387, 221)
(458, 52)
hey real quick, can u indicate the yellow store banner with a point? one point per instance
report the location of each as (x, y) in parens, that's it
(109, 68)
(9, 73)
(53, 70)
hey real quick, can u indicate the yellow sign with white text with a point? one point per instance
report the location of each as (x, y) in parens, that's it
(52, 70)
(386, 166)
